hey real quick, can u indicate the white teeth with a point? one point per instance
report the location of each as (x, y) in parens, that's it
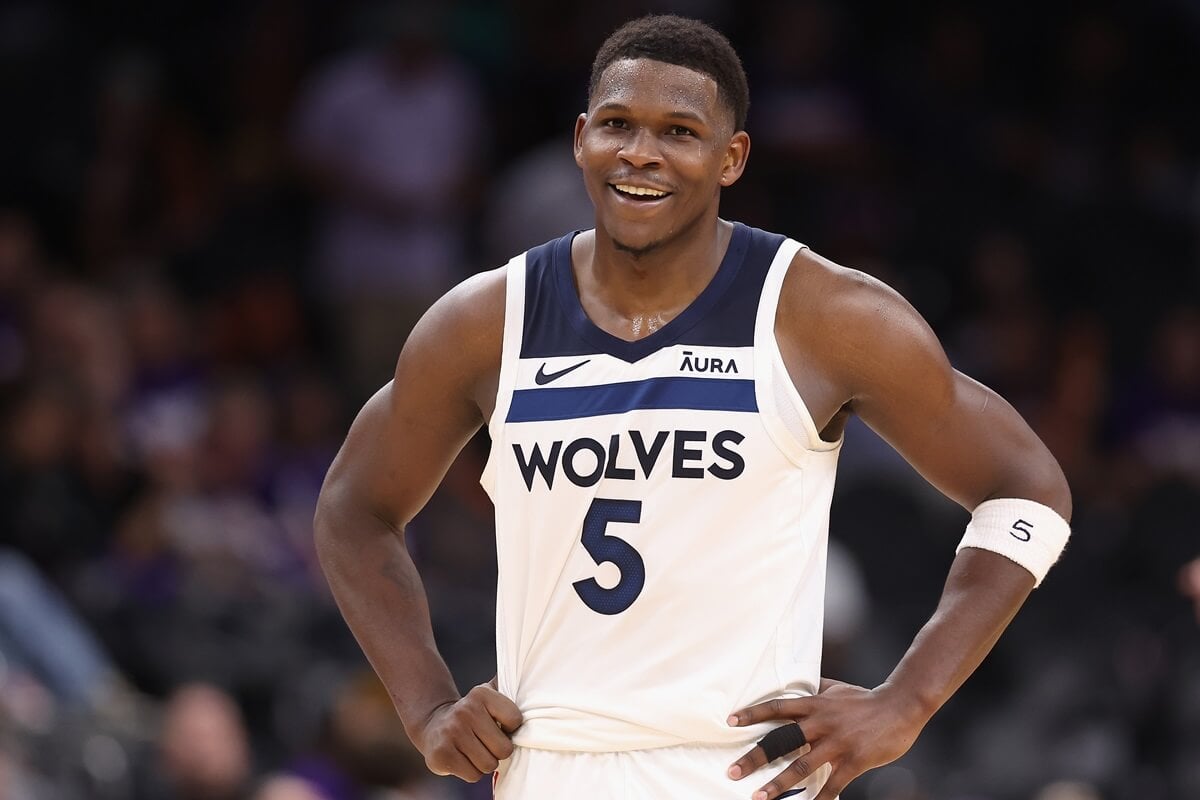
(639, 190)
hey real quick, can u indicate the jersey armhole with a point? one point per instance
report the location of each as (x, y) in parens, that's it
(510, 353)
(783, 411)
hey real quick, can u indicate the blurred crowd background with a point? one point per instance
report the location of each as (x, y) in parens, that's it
(219, 220)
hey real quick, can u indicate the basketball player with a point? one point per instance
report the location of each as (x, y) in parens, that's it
(666, 396)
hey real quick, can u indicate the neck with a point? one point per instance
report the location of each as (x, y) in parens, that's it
(630, 292)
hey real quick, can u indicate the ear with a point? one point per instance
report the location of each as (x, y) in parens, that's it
(736, 154)
(580, 121)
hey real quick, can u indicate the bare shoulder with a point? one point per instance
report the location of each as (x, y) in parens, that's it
(457, 343)
(473, 311)
(826, 292)
(851, 327)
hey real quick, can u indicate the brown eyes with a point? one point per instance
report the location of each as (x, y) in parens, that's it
(621, 124)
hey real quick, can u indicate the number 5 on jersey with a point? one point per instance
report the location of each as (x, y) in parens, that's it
(602, 547)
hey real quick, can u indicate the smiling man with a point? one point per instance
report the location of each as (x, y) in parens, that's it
(666, 396)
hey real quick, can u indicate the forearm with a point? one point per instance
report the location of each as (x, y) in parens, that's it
(983, 592)
(380, 594)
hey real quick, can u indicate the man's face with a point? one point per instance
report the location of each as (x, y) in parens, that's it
(655, 147)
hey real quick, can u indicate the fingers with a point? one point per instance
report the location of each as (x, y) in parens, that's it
(753, 760)
(800, 769)
(462, 755)
(487, 729)
(503, 710)
(483, 760)
(789, 708)
(452, 761)
(471, 737)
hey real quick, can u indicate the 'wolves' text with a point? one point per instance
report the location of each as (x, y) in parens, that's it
(585, 461)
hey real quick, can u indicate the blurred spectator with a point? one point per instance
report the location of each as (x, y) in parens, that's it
(803, 108)
(20, 272)
(213, 584)
(118, 219)
(164, 412)
(1094, 83)
(1070, 420)
(286, 787)
(259, 324)
(1002, 343)
(537, 198)
(812, 129)
(40, 632)
(1189, 583)
(364, 753)
(45, 512)
(309, 435)
(1068, 790)
(1158, 416)
(205, 750)
(390, 135)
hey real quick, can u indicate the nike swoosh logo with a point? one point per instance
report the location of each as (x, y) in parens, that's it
(543, 377)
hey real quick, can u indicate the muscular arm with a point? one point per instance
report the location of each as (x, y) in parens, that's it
(396, 454)
(969, 443)
(854, 345)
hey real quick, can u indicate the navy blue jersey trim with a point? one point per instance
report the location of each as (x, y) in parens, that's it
(575, 402)
(604, 342)
(545, 331)
(730, 322)
(723, 315)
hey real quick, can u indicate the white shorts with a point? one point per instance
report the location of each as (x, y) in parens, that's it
(691, 771)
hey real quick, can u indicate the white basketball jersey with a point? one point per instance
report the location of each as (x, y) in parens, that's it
(662, 511)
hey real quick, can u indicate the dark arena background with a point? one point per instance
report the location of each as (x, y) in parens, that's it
(219, 220)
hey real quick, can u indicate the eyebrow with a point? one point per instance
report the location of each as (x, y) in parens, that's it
(621, 107)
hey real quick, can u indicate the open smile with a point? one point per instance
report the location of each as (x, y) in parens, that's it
(642, 195)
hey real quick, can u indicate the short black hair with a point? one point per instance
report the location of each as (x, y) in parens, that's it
(686, 43)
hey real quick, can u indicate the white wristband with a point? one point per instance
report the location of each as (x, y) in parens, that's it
(1029, 533)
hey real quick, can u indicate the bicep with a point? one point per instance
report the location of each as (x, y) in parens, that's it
(396, 453)
(960, 435)
(406, 436)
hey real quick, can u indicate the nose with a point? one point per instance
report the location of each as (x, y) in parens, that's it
(641, 150)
